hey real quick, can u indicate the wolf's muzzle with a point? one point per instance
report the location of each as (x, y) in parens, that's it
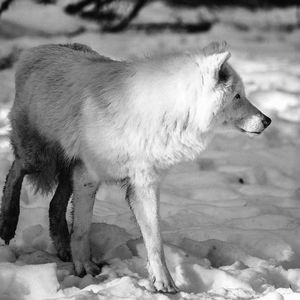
(255, 124)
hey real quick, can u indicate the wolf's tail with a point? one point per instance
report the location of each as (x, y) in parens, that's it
(43, 160)
(51, 164)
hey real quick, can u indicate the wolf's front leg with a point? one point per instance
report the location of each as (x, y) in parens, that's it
(144, 201)
(84, 191)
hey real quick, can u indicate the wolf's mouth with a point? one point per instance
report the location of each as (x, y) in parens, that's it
(249, 132)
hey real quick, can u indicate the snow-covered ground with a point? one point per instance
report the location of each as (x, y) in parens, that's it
(230, 220)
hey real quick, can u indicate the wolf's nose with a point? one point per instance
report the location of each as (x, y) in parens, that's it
(266, 121)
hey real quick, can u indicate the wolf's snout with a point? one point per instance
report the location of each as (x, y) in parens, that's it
(254, 124)
(266, 121)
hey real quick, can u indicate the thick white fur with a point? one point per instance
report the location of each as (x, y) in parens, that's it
(164, 113)
(130, 121)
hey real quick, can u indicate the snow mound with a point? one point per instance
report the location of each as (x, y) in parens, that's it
(39, 275)
(28, 282)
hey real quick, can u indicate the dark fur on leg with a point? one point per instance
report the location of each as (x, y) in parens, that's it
(57, 216)
(46, 167)
(10, 206)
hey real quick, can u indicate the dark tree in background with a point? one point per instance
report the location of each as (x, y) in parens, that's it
(113, 15)
(5, 5)
(116, 15)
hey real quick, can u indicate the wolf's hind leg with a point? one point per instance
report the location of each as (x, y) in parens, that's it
(84, 192)
(144, 201)
(10, 206)
(57, 216)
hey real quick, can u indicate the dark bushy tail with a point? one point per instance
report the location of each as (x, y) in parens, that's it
(51, 163)
(42, 159)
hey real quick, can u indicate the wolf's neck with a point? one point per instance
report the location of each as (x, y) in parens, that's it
(165, 104)
(170, 93)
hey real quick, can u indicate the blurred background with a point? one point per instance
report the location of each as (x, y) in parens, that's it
(188, 23)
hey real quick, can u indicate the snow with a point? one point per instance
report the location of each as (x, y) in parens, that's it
(230, 220)
(49, 21)
(28, 281)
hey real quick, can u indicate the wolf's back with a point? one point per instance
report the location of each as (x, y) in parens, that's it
(51, 83)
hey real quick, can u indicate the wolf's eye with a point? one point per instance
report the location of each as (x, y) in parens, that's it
(237, 96)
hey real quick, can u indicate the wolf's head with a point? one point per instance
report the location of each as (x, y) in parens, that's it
(233, 107)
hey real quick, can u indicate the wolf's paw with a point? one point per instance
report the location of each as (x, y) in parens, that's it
(86, 267)
(8, 228)
(164, 284)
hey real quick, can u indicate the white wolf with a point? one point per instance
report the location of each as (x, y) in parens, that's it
(80, 119)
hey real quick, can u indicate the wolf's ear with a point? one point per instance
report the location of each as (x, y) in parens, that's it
(217, 60)
(217, 54)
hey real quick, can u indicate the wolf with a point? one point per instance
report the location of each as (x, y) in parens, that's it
(80, 119)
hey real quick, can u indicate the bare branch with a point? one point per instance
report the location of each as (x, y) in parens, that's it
(125, 22)
(5, 5)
